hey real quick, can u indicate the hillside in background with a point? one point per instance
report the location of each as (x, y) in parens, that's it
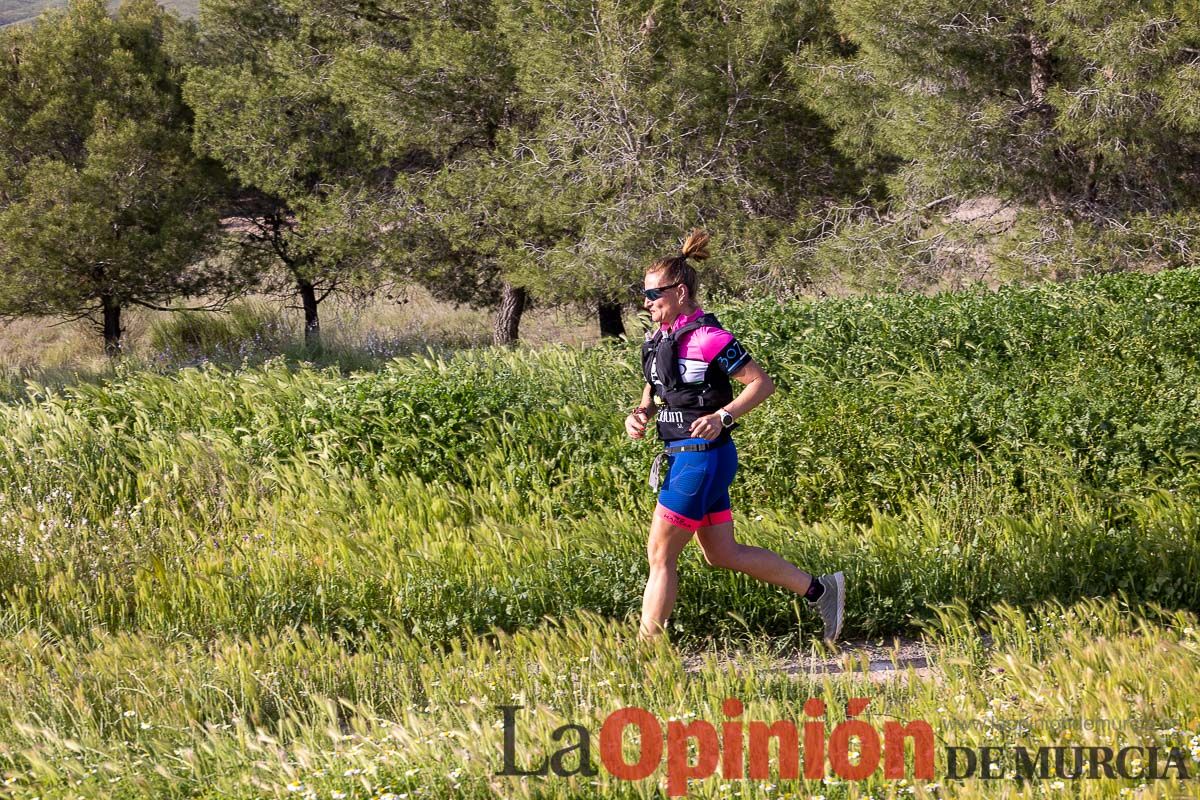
(14, 11)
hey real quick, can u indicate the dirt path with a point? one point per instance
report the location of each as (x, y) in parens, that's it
(881, 661)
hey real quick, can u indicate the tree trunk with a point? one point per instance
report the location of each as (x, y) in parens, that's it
(112, 325)
(610, 320)
(1090, 184)
(1041, 76)
(1041, 69)
(508, 316)
(312, 323)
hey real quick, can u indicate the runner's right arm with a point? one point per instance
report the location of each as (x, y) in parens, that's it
(635, 423)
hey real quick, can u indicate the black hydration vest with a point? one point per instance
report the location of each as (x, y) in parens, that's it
(680, 404)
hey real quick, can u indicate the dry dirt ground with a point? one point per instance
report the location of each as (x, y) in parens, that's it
(881, 661)
(407, 321)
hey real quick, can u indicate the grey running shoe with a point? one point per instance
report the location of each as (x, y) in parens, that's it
(831, 605)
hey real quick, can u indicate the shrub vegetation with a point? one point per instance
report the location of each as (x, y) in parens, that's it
(220, 551)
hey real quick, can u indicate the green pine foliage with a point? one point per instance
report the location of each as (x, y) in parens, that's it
(485, 149)
(1073, 104)
(435, 87)
(16, 11)
(655, 117)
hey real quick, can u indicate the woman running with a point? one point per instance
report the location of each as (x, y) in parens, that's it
(687, 363)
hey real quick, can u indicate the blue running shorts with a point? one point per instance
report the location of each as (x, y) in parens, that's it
(696, 491)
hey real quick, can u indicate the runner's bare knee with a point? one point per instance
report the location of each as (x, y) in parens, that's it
(723, 556)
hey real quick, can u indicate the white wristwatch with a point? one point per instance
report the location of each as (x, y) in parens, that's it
(726, 418)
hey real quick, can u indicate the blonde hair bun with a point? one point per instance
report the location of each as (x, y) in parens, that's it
(695, 246)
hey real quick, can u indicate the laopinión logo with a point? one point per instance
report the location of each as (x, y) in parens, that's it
(853, 750)
(737, 748)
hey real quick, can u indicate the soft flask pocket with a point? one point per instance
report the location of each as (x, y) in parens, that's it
(685, 478)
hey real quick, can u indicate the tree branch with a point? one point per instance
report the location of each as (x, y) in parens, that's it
(216, 306)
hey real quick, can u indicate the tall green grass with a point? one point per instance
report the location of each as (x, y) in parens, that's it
(1019, 445)
(259, 562)
(294, 713)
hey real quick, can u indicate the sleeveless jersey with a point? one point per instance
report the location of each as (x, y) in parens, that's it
(688, 369)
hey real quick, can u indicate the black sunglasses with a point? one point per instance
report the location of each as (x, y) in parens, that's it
(657, 292)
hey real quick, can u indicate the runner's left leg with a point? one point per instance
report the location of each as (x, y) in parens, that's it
(721, 549)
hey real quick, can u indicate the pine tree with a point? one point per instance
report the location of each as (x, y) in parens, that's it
(655, 117)
(102, 203)
(1080, 105)
(313, 190)
(435, 86)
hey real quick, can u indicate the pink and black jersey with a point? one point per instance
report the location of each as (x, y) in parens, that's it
(688, 367)
(704, 345)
